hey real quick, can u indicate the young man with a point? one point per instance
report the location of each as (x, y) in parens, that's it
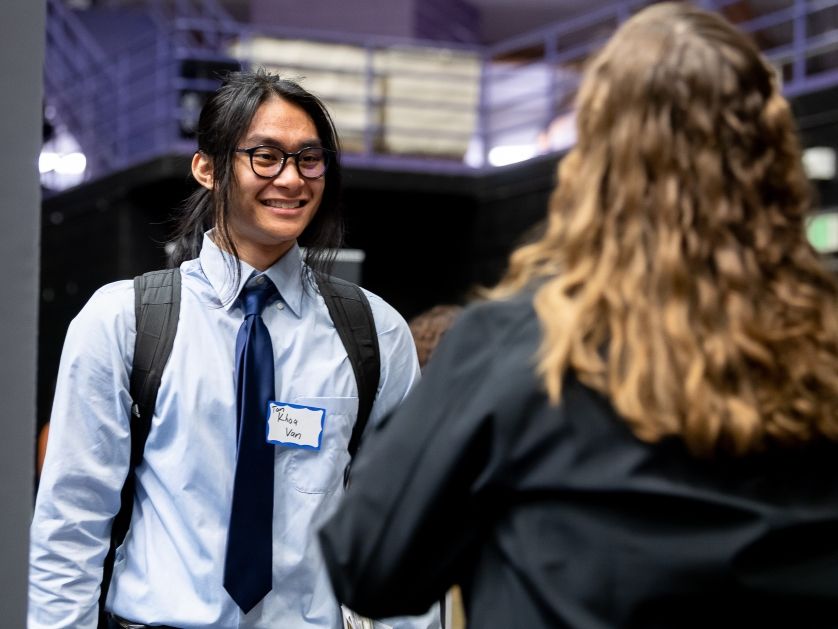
(267, 165)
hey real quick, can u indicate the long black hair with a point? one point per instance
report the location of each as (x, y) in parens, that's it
(225, 118)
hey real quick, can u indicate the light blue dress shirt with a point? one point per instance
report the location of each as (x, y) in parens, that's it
(170, 568)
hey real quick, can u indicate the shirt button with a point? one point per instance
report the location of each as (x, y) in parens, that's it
(260, 280)
(280, 305)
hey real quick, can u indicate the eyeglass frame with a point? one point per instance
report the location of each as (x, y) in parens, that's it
(250, 151)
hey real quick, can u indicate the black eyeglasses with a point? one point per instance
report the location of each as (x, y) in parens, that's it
(268, 161)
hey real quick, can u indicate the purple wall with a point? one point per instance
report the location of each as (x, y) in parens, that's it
(442, 20)
(446, 20)
(113, 28)
(379, 17)
(508, 20)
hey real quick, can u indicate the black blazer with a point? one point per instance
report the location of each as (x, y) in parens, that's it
(560, 517)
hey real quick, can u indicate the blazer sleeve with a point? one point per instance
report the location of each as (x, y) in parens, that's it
(418, 486)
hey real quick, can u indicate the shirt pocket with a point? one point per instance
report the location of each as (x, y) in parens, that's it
(321, 471)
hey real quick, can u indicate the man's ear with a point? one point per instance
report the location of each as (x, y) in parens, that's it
(202, 170)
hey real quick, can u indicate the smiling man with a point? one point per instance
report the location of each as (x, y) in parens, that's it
(269, 175)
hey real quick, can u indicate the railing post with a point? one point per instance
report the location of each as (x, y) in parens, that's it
(483, 108)
(369, 100)
(799, 41)
(551, 44)
(171, 75)
(119, 135)
(162, 109)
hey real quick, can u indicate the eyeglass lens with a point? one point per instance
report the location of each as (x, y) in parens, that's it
(267, 161)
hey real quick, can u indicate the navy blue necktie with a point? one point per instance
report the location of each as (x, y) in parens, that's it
(248, 566)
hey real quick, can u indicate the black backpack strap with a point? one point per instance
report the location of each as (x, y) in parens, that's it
(351, 313)
(157, 307)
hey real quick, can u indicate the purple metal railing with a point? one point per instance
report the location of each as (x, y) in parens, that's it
(77, 83)
(140, 102)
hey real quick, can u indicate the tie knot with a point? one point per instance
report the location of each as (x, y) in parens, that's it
(256, 295)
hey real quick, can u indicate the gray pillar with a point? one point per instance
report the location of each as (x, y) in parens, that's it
(22, 53)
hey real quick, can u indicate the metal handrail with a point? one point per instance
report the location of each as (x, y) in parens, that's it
(133, 105)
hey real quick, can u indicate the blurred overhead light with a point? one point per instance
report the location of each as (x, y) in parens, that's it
(71, 164)
(62, 163)
(819, 162)
(511, 154)
(822, 230)
(48, 161)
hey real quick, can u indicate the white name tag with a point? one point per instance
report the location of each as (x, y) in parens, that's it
(351, 620)
(295, 425)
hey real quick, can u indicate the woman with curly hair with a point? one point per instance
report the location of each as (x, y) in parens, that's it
(640, 427)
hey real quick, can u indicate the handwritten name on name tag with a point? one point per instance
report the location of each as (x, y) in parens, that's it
(295, 425)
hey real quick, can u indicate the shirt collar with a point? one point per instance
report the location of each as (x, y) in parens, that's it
(219, 266)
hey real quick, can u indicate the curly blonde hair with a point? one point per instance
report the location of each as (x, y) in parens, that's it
(675, 274)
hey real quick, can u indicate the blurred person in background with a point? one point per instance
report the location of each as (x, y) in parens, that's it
(428, 328)
(640, 427)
